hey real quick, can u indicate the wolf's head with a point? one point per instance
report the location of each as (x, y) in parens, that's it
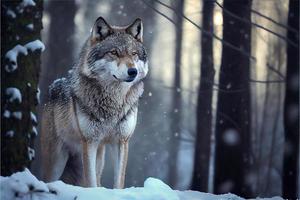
(115, 54)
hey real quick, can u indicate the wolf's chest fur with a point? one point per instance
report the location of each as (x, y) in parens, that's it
(105, 103)
(99, 113)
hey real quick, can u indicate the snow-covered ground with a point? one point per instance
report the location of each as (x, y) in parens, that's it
(24, 186)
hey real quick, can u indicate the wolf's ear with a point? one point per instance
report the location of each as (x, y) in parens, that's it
(101, 29)
(136, 29)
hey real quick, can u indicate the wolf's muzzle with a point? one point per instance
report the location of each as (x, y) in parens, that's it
(132, 73)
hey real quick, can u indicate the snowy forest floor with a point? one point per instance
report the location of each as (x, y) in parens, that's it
(24, 185)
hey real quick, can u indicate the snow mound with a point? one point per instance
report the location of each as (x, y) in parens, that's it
(21, 185)
(24, 186)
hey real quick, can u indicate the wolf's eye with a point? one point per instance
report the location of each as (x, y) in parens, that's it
(134, 53)
(114, 52)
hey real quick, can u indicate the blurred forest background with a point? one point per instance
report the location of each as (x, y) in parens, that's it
(220, 111)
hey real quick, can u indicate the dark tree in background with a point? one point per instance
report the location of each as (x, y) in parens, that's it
(204, 105)
(60, 42)
(291, 107)
(58, 56)
(176, 102)
(233, 108)
(21, 24)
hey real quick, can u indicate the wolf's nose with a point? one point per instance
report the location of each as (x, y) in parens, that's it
(132, 72)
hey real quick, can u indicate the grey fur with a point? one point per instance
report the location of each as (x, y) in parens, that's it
(92, 107)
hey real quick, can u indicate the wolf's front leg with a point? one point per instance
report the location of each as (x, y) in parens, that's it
(89, 154)
(121, 163)
(100, 162)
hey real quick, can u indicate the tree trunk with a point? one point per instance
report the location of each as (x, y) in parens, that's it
(291, 108)
(60, 43)
(176, 104)
(233, 109)
(19, 81)
(204, 105)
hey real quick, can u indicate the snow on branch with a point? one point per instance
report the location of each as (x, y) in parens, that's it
(14, 94)
(11, 13)
(12, 54)
(31, 153)
(35, 45)
(26, 3)
(33, 118)
(23, 185)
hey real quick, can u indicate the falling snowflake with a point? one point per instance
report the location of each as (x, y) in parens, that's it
(231, 137)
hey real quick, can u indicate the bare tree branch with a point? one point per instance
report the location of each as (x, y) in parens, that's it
(216, 88)
(220, 39)
(162, 14)
(275, 22)
(211, 35)
(271, 68)
(269, 81)
(257, 25)
(229, 91)
(276, 71)
(230, 120)
(186, 139)
(204, 31)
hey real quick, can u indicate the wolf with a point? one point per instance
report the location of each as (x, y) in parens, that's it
(95, 105)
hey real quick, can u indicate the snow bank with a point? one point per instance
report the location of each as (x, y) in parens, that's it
(23, 185)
